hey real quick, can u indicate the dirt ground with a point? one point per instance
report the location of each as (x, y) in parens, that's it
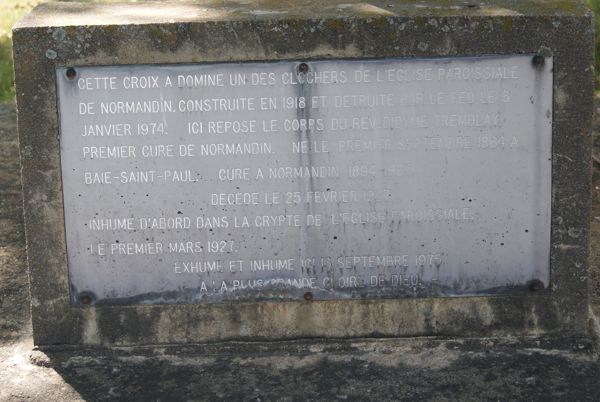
(535, 369)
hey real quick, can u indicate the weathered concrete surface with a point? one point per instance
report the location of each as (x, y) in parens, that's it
(79, 14)
(360, 370)
(527, 369)
(595, 224)
(72, 34)
(14, 293)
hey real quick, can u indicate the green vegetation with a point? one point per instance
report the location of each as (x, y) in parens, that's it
(12, 10)
(6, 71)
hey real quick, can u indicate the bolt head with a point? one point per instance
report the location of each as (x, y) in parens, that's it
(538, 61)
(71, 73)
(303, 68)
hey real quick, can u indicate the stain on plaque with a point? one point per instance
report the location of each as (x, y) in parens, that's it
(306, 180)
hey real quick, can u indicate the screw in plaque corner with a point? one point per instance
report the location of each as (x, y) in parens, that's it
(71, 73)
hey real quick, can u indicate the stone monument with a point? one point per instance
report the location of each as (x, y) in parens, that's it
(243, 171)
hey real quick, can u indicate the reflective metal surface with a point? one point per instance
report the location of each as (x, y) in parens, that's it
(306, 180)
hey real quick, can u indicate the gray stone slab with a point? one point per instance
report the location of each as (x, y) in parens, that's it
(55, 37)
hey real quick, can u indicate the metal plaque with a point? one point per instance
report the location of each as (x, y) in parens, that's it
(330, 179)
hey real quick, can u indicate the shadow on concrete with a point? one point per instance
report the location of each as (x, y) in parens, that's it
(14, 291)
(358, 370)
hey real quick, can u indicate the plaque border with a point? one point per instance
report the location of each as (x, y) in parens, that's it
(155, 298)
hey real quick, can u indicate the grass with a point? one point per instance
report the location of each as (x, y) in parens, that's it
(12, 10)
(7, 91)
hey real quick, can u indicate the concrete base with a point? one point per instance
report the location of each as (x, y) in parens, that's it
(531, 369)
(72, 34)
